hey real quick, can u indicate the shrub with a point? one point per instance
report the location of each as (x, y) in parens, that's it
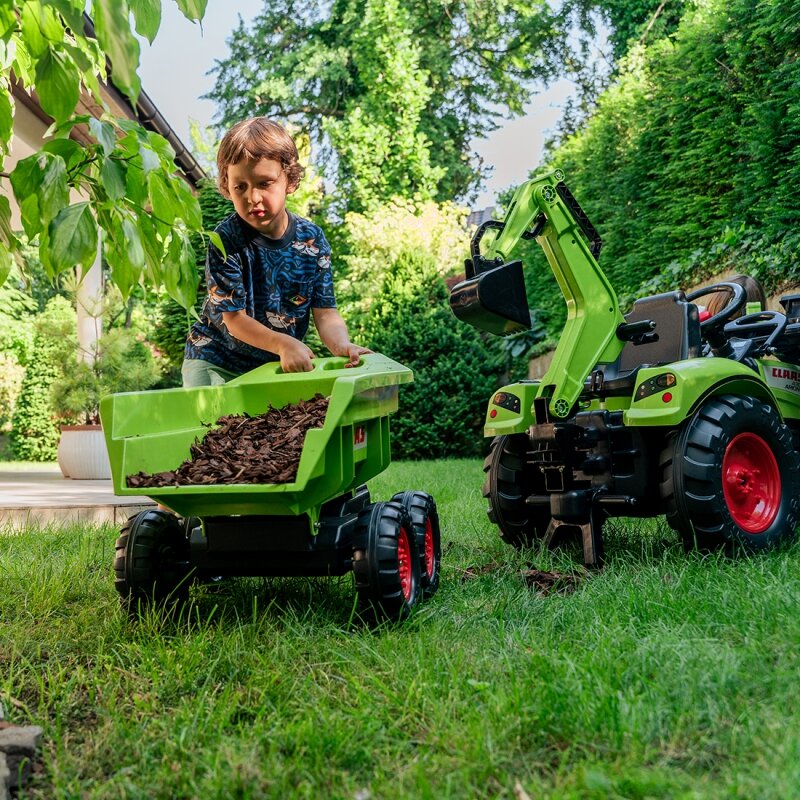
(455, 369)
(120, 363)
(16, 347)
(34, 431)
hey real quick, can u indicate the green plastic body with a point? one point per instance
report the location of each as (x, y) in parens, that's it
(589, 339)
(152, 432)
(589, 336)
(695, 380)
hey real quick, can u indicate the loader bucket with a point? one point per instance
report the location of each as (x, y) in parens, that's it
(493, 301)
(152, 432)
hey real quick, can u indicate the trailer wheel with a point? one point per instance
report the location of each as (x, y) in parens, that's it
(509, 481)
(424, 517)
(732, 476)
(386, 560)
(151, 562)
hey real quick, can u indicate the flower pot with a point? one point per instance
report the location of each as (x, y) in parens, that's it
(82, 453)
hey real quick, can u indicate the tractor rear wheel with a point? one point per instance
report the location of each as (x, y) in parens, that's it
(151, 562)
(732, 476)
(509, 481)
(421, 509)
(386, 561)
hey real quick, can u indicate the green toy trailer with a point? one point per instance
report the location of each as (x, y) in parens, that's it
(650, 413)
(323, 523)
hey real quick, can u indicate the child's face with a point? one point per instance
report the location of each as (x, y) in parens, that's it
(258, 190)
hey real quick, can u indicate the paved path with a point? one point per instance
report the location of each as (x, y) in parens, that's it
(41, 496)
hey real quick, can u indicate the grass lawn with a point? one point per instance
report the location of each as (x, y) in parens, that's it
(664, 675)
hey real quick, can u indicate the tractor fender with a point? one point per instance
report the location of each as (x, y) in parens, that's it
(666, 396)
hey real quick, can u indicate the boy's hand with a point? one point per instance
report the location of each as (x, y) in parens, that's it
(295, 356)
(354, 353)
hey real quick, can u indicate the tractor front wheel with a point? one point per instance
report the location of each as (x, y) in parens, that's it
(386, 561)
(732, 476)
(151, 562)
(509, 481)
(421, 509)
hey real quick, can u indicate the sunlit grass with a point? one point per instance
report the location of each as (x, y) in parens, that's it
(663, 675)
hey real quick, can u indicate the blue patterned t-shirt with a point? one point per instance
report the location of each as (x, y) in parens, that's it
(276, 281)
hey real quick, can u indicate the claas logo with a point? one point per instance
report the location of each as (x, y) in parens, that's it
(359, 436)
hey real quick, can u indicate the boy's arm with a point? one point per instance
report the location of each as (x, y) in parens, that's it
(294, 355)
(333, 332)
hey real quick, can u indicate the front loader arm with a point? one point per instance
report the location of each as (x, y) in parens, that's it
(544, 209)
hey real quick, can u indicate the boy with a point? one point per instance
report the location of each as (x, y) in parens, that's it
(276, 272)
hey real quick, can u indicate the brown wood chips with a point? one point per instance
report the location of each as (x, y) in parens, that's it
(245, 449)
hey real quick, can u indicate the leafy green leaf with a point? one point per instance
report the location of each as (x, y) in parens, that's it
(163, 201)
(71, 11)
(150, 160)
(104, 133)
(32, 34)
(112, 177)
(6, 262)
(135, 184)
(180, 274)
(26, 179)
(147, 14)
(192, 9)
(216, 240)
(190, 208)
(153, 249)
(57, 84)
(6, 117)
(72, 238)
(53, 190)
(118, 42)
(162, 147)
(8, 21)
(134, 251)
(68, 149)
(6, 234)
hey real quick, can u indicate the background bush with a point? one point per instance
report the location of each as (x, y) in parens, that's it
(35, 432)
(441, 414)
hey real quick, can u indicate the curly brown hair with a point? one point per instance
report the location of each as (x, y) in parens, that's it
(254, 139)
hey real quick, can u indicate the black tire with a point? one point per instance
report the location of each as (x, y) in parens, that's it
(424, 517)
(386, 560)
(509, 481)
(731, 476)
(151, 563)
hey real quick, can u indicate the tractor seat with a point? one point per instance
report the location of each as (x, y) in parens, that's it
(676, 337)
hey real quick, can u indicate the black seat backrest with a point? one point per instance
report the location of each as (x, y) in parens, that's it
(676, 336)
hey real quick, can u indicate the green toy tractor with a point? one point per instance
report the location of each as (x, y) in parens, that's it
(323, 523)
(655, 412)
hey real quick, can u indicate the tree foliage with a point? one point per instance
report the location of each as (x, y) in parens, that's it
(397, 90)
(693, 153)
(131, 199)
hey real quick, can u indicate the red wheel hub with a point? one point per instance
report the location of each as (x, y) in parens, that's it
(430, 565)
(751, 482)
(404, 563)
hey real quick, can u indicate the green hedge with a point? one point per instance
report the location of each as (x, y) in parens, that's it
(34, 430)
(698, 136)
(455, 369)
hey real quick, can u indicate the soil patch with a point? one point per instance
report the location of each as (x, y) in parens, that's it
(546, 582)
(244, 449)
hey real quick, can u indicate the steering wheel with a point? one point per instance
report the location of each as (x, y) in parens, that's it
(763, 329)
(711, 329)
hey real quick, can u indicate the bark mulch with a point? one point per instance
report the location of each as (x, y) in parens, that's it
(244, 449)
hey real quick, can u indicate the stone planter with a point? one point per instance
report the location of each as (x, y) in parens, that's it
(82, 453)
